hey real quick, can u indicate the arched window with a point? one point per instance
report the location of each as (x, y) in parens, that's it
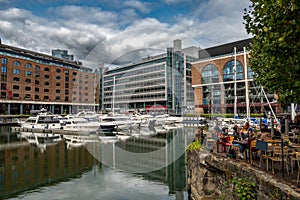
(58, 70)
(28, 73)
(57, 91)
(210, 74)
(28, 65)
(4, 61)
(228, 71)
(16, 87)
(46, 76)
(46, 69)
(27, 80)
(27, 88)
(37, 68)
(17, 63)
(46, 83)
(16, 79)
(58, 84)
(16, 71)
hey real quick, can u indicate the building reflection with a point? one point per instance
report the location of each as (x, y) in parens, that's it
(155, 158)
(24, 166)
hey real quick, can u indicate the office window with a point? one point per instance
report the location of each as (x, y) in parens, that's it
(27, 96)
(46, 97)
(46, 90)
(46, 69)
(16, 87)
(28, 73)
(66, 72)
(58, 70)
(36, 97)
(3, 95)
(37, 68)
(36, 82)
(46, 83)
(3, 77)
(27, 88)
(28, 65)
(16, 71)
(57, 84)
(17, 63)
(3, 86)
(57, 91)
(58, 77)
(37, 75)
(46, 76)
(4, 61)
(3, 69)
(37, 89)
(16, 79)
(57, 98)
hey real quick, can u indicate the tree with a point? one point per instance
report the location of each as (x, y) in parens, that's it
(275, 46)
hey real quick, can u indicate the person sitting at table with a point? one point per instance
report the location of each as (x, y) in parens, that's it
(246, 126)
(239, 141)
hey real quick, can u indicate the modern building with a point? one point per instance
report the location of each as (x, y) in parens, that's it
(58, 53)
(31, 80)
(223, 82)
(157, 83)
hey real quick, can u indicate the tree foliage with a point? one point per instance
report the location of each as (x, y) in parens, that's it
(275, 47)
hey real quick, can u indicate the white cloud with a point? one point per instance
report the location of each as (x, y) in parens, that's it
(122, 34)
(140, 6)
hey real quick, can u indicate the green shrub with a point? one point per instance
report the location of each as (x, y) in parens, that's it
(194, 146)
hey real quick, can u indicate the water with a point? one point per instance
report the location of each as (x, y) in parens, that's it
(138, 168)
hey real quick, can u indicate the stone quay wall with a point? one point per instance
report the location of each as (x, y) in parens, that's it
(209, 174)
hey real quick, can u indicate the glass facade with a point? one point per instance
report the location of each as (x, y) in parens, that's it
(159, 84)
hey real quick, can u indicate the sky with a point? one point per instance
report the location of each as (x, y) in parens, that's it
(106, 30)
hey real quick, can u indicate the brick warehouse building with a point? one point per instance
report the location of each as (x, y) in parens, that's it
(31, 80)
(217, 86)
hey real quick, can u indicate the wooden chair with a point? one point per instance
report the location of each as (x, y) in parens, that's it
(277, 157)
(262, 147)
(252, 149)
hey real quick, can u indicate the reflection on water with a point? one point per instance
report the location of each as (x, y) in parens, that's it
(150, 167)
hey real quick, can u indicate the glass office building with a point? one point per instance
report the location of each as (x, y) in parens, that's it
(156, 84)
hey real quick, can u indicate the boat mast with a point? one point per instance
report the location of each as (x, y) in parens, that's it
(246, 84)
(235, 97)
(113, 97)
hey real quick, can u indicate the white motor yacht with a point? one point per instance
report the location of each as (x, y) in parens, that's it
(118, 123)
(71, 123)
(43, 120)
